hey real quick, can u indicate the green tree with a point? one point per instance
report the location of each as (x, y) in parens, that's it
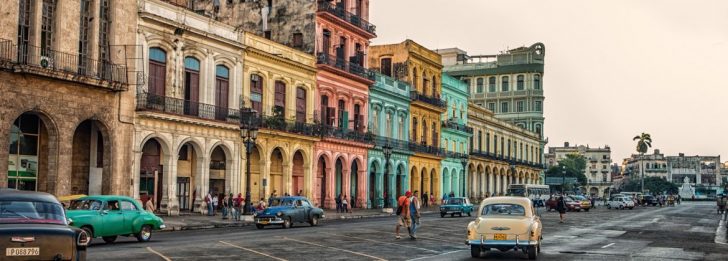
(574, 165)
(653, 184)
(644, 142)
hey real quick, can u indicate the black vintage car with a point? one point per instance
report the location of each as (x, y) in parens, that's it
(285, 211)
(33, 226)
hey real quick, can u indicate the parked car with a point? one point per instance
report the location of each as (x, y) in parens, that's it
(34, 227)
(571, 205)
(620, 203)
(650, 200)
(286, 211)
(585, 203)
(506, 223)
(108, 217)
(457, 206)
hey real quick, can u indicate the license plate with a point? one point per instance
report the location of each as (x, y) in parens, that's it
(499, 237)
(22, 251)
(264, 222)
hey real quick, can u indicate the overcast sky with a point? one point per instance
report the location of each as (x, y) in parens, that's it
(613, 68)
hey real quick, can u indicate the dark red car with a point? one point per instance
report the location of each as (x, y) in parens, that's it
(571, 205)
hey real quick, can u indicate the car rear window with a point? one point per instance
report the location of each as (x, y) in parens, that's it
(31, 212)
(503, 210)
(455, 201)
(86, 204)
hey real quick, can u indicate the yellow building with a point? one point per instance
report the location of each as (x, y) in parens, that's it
(279, 82)
(422, 69)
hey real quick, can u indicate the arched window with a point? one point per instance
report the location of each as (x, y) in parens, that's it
(434, 134)
(504, 83)
(426, 84)
(491, 84)
(434, 86)
(343, 115)
(479, 85)
(487, 142)
(537, 81)
(358, 118)
(256, 93)
(192, 85)
(300, 104)
(375, 122)
(538, 129)
(480, 140)
(519, 82)
(388, 122)
(157, 71)
(279, 99)
(222, 76)
(424, 132)
(400, 128)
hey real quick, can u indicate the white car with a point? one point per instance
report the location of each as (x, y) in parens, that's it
(620, 203)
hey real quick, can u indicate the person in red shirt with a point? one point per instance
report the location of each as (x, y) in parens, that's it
(403, 213)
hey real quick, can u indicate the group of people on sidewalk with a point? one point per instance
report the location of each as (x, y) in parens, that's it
(229, 205)
(408, 214)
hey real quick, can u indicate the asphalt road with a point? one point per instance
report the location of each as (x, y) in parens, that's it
(684, 232)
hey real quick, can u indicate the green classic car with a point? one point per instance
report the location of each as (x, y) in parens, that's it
(457, 206)
(111, 216)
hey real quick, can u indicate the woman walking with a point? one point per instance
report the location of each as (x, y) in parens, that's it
(561, 207)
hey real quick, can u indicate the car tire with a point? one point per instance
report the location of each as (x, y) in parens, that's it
(89, 231)
(460, 214)
(469, 213)
(475, 251)
(609, 206)
(442, 215)
(109, 239)
(532, 252)
(287, 223)
(145, 234)
(314, 221)
(631, 208)
(259, 226)
(621, 207)
(452, 214)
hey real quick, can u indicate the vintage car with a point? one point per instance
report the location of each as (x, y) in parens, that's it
(585, 203)
(108, 217)
(620, 202)
(571, 205)
(649, 200)
(457, 206)
(34, 227)
(286, 211)
(506, 223)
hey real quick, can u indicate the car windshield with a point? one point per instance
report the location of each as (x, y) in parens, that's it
(282, 202)
(579, 198)
(455, 201)
(85, 204)
(517, 192)
(504, 210)
(31, 212)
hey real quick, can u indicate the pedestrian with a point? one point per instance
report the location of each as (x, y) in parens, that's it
(424, 199)
(225, 207)
(150, 205)
(215, 203)
(403, 215)
(300, 193)
(386, 200)
(261, 204)
(678, 199)
(432, 199)
(561, 207)
(273, 194)
(720, 202)
(414, 214)
(338, 203)
(237, 205)
(344, 205)
(593, 201)
(208, 203)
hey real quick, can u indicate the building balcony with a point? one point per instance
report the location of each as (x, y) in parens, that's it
(513, 94)
(347, 134)
(455, 155)
(151, 102)
(423, 148)
(381, 141)
(344, 65)
(278, 123)
(60, 65)
(355, 21)
(451, 124)
(435, 101)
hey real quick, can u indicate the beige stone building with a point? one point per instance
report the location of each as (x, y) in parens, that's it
(67, 92)
(655, 165)
(598, 166)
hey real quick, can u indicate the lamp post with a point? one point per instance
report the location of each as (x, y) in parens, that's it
(387, 151)
(563, 179)
(464, 161)
(248, 132)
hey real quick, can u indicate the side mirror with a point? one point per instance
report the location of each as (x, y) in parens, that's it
(104, 212)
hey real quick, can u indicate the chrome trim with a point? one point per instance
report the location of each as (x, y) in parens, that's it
(22, 239)
(162, 226)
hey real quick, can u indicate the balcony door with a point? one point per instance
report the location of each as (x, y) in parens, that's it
(222, 74)
(192, 86)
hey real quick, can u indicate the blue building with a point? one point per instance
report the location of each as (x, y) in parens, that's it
(455, 135)
(389, 103)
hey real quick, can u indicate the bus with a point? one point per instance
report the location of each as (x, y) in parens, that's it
(537, 193)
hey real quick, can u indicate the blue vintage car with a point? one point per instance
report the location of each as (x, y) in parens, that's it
(286, 211)
(457, 206)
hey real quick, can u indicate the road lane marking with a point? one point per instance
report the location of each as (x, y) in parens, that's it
(608, 245)
(336, 248)
(250, 250)
(382, 242)
(446, 253)
(654, 220)
(159, 254)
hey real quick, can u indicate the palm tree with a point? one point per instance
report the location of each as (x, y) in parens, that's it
(644, 142)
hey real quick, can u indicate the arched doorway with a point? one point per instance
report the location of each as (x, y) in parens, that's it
(218, 167)
(594, 191)
(151, 176)
(414, 179)
(276, 173)
(90, 165)
(298, 173)
(433, 184)
(31, 147)
(354, 184)
(256, 179)
(446, 181)
(189, 171)
(373, 195)
(423, 181)
(321, 181)
(338, 177)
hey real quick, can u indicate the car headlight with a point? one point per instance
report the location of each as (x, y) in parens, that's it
(279, 214)
(83, 238)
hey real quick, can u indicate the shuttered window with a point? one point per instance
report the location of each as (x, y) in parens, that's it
(192, 85)
(23, 28)
(157, 71)
(256, 93)
(222, 75)
(280, 99)
(300, 105)
(47, 26)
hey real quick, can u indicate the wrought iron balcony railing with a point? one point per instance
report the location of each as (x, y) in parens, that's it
(416, 96)
(347, 134)
(280, 124)
(451, 124)
(422, 148)
(353, 19)
(455, 155)
(34, 59)
(151, 102)
(342, 64)
(381, 141)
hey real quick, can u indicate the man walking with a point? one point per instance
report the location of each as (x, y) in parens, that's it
(208, 202)
(424, 199)
(403, 215)
(414, 213)
(338, 203)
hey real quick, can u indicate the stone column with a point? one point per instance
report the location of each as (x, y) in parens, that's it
(136, 170)
(330, 188)
(287, 178)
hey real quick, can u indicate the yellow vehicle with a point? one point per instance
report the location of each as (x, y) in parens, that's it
(506, 223)
(585, 202)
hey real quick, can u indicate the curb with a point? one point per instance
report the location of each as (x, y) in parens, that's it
(721, 231)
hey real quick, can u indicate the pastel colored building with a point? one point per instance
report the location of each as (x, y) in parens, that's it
(455, 135)
(422, 69)
(389, 104)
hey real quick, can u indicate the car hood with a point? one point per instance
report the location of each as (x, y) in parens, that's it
(273, 210)
(503, 225)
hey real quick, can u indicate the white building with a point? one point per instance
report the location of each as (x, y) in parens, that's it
(598, 166)
(655, 165)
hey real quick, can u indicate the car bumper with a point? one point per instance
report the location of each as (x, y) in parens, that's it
(501, 243)
(268, 221)
(448, 211)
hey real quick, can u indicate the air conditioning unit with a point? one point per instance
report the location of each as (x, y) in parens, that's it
(46, 62)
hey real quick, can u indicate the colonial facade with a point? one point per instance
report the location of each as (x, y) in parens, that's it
(67, 92)
(598, 166)
(702, 173)
(422, 69)
(501, 154)
(389, 114)
(455, 135)
(655, 165)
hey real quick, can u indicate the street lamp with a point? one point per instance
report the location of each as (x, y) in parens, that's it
(464, 161)
(387, 150)
(248, 132)
(563, 178)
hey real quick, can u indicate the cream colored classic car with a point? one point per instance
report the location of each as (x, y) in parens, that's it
(505, 223)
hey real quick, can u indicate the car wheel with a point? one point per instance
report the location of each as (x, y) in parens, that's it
(110, 239)
(442, 215)
(586, 210)
(469, 213)
(90, 232)
(609, 206)
(631, 208)
(259, 226)
(145, 234)
(452, 214)
(460, 214)
(475, 251)
(532, 252)
(621, 207)
(287, 223)
(314, 221)
(539, 245)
